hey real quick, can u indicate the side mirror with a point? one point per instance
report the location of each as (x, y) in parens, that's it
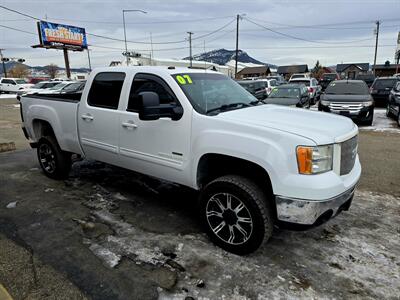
(151, 109)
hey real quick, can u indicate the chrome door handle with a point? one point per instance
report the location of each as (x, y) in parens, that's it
(129, 124)
(87, 117)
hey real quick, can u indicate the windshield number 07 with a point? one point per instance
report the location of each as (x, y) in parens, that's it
(184, 79)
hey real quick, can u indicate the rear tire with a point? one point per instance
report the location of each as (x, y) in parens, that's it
(388, 113)
(54, 162)
(235, 214)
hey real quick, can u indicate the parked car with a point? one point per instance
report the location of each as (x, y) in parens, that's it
(279, 79)
(289, 95)
(380, 89)
(393, 107)
(367, 78)
(314, 89)
(396, 75)
(64, 87)
(349, 98)
(326, 79)
(255, 87)
(40, 86)
(269, 85)
(299, 75)
(254, 165)
(13, 85)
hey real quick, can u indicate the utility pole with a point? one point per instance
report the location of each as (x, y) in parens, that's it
(123, 21)
(66, 59)
(190, 48)
(237, 44)
(151, 53)
(376, 44)
(4, 64)
(88, 56)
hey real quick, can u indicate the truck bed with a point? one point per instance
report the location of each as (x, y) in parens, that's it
(58, 110)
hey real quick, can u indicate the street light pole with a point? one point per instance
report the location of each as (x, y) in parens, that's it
(376, 44)
(123, 21)
(190, 49)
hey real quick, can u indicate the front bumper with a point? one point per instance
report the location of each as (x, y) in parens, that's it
(311, 212)
(363, 114)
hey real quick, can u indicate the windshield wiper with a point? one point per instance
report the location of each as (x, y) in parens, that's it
(227, 107)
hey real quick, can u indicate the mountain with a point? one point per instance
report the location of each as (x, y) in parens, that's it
(11, 64)
(222, 56)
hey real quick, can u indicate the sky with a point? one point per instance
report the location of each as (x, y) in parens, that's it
(277, 32)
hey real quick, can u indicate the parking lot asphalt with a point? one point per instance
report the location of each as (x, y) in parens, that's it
(108, 233)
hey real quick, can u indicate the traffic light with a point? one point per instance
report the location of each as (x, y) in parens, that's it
(21, 60)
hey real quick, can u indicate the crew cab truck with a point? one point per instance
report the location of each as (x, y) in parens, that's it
(254, 164)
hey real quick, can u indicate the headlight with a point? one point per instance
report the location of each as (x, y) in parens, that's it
(314, 160)
(325, 103)
(368, 103)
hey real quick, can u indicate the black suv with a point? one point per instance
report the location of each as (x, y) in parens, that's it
(367, 78)
(326, 79)
(393, 107)
(380, 89)
(349, 98)
(255, 87)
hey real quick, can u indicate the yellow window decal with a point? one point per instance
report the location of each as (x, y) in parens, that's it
(184, 79)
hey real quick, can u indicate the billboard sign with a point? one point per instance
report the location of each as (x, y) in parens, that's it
(58, 36)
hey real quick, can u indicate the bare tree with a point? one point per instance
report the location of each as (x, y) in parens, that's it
(19, 71)
(51, 70)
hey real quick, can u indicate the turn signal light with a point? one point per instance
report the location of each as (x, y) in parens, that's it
(304, 159)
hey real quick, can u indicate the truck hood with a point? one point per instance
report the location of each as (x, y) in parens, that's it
(320, 127)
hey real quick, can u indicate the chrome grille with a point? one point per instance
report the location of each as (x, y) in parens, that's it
(345, 106)
(348, 155)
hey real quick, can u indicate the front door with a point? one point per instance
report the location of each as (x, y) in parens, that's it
(161, 147)
(98, 117)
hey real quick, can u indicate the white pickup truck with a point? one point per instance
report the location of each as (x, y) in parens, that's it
(13, 85)
(255, 165)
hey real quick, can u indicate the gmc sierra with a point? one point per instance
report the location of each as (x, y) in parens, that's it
(254, 164)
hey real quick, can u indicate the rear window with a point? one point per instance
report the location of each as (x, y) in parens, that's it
(298, 76)
(305, 82)
(384, 83)
(329, 76)
(347, 88)
(106, 90)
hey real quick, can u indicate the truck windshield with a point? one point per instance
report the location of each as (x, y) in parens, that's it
(213, 92)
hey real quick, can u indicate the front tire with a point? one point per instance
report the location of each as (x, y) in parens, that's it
(54, 162)
(235, 214)
(398, 118)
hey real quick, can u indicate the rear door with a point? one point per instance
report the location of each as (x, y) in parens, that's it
(98, 117)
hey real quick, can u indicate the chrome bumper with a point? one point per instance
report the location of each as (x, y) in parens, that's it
(307, 212)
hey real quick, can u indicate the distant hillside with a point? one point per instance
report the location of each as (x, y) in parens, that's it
(222, 56)
(11, 64)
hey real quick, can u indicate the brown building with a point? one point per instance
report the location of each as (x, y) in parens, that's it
(287, 71)
(386, 69)
(262, 71)
(350, 71)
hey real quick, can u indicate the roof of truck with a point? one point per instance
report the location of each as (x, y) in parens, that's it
(155, 69)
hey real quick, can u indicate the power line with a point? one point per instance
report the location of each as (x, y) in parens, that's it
(299, 38)
(16, 29)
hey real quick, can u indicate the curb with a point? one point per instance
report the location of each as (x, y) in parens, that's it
(4, 295)
(7, 147)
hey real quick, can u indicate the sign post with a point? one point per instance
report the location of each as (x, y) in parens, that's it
(61, 37)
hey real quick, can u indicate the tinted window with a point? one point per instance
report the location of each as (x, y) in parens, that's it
(297, 76)
(305, 82)
(329, 76)
(8, 81)
(384, 83)
(149, 83)
(106, 90)
(273, 83)
(284, 92)
(39, 85)
(347, 88)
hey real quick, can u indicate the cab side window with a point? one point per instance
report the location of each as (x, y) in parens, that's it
(149, 83)
(106, 90)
